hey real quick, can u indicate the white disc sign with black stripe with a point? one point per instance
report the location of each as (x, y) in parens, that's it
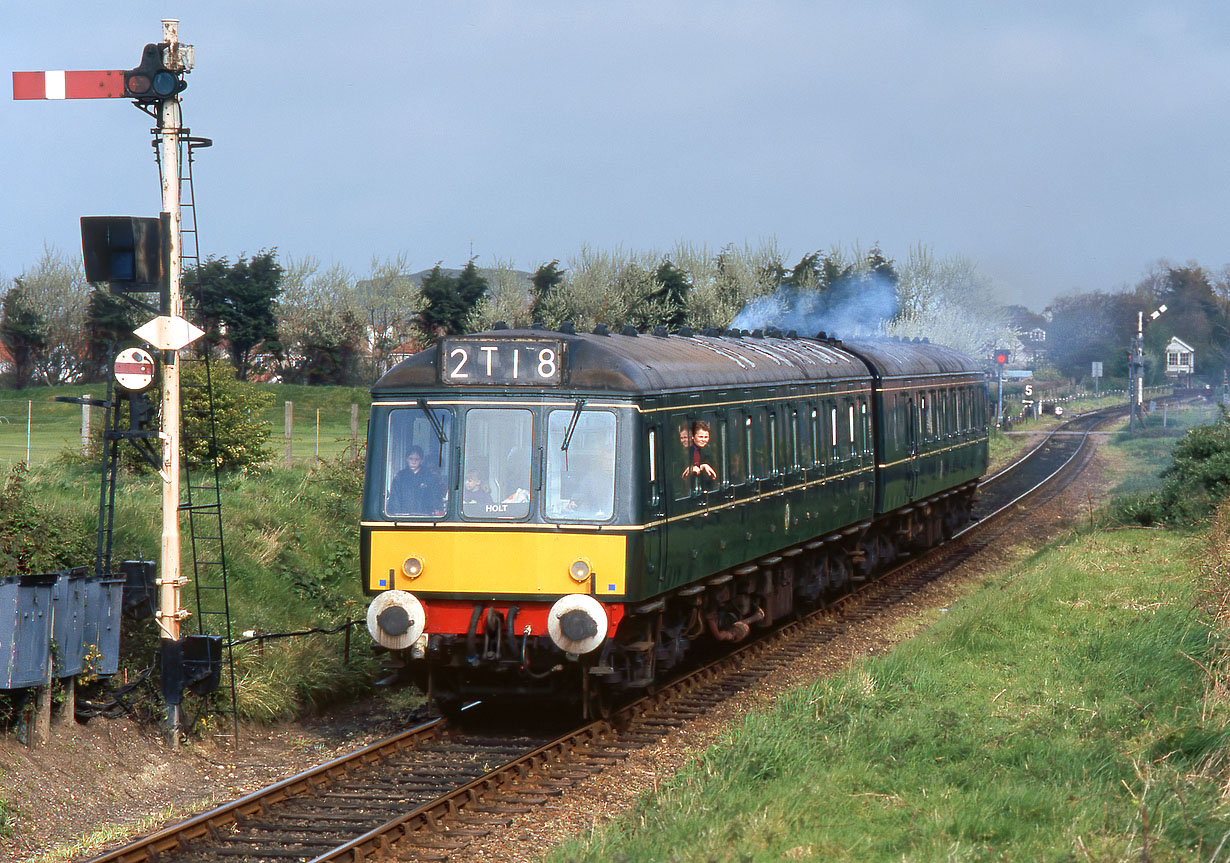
(134, 369)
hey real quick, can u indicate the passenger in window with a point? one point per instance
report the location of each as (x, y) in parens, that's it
(685, 437)
(476, 497)
(416, 489)
(698, 467)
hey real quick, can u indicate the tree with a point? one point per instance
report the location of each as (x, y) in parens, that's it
(242, 437)
(109, 323)
(387, 303)
(55, 291)
(509, 298)
(673, 293)
(1091, 327)
(320, 329)
(24, 332)
(237, 305)
(544, 281)
(448, 301)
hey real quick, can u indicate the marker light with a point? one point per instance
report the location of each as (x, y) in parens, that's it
(413, 567)
(579, 571)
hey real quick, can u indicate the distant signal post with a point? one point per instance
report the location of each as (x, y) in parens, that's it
(154, 86)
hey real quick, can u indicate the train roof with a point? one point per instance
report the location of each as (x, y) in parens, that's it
(671, 363)
(891, 358)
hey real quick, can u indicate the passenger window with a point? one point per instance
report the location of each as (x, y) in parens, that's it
(739, 451)
(834, 452)
(651, 462)
(679, 461)
(794, 441)
(703, 456)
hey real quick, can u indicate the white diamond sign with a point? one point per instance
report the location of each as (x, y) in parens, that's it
(169, 333)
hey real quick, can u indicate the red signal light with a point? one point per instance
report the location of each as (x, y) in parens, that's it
(1001, 357)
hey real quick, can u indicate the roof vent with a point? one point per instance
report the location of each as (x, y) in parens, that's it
(822, 335)
(500, 325)
(660, 330)
(758, 334)
(686, 332)
(537, 325)
(793, 334)
(710, 331)
(773, 333)
(567, 328)
(601, 330)
(629, 330)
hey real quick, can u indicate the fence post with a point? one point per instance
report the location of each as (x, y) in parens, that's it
(290, 425)
(354, 432)
(85, 425)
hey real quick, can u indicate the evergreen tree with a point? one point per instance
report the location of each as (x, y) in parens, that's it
(544, 281)
(24, 332)
(448, 301)
(237, 305)
(109, 322)
(673, 294)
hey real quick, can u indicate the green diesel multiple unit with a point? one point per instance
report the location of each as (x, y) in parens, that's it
(570, 514)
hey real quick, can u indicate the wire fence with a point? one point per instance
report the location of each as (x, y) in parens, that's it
(38, 430)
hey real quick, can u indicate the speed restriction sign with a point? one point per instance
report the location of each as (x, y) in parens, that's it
(134, 369)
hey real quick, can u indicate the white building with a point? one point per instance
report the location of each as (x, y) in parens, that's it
(1180, 359)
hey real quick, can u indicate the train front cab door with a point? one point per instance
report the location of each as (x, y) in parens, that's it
(913, 430)
(656, 490)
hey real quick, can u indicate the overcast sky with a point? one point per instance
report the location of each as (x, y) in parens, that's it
(1063, 146)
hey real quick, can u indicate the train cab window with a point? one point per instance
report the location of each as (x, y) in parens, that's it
(496, 463)
(580, 465)
(417, 469)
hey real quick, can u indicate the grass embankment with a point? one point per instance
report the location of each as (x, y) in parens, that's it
(292, 549)
(1074, 708)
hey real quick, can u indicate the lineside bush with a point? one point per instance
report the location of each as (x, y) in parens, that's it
(1196, 481)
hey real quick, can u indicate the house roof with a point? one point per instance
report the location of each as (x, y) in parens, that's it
(1176, 342)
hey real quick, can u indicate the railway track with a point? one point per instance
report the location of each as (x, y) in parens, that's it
(430, 792)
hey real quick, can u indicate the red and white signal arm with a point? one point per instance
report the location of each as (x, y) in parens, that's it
(134, 369)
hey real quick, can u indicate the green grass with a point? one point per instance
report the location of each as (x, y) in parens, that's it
(1056, 715)
(55, 427)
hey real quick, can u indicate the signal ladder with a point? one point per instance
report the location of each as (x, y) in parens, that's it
(202, 499)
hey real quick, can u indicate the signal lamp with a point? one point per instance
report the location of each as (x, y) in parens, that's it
(152, 81)
(413, 567)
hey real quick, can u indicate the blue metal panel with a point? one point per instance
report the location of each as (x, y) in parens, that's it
(69, 621)
(103, 601)
(25, 630)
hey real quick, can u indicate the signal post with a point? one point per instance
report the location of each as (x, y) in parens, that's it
(153, 86)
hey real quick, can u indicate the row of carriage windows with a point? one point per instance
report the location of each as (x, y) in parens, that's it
(726, 448)
(720, 449)
(689, 452)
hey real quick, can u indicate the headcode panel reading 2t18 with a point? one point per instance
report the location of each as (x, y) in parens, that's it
(529, 363)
